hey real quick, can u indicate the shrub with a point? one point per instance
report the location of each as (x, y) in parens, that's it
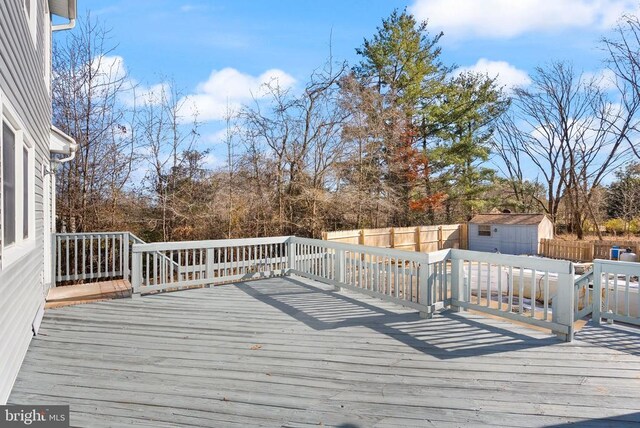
(615, 226)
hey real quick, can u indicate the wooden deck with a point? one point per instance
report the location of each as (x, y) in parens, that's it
(87, 293)
(289, 352)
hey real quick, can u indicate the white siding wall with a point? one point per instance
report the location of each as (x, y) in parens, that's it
(508, 239)
(22, 84)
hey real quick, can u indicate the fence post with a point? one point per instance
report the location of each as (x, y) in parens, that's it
(291, 255)
(463, 238)
(361, 237)
(440, 242)
(424, 289)
(136, 273)
(563, 303)
(392, 237)
(211, 256)
(417, 239)
(457, 282)
(126, 273)
(339, 268)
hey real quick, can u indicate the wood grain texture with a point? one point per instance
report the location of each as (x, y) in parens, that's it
(293, 352)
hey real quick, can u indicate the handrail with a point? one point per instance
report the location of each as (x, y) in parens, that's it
(138, 240)
(377, 251)
(216, 243)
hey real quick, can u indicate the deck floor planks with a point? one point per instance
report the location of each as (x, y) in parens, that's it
(290, 352)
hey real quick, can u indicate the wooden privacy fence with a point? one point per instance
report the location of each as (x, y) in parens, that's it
(582, 251)
(424, 239)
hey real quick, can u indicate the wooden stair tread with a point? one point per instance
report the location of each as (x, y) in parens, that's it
(85, 293)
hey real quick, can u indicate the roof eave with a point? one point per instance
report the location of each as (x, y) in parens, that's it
(64, 8)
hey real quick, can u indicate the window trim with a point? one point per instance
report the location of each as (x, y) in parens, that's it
(22, 246)
(484, 230)
(31, 14)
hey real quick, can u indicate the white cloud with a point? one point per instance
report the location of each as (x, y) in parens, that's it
(507, 75)
(605, 79)
(153, 94)
(227, 89)
(510, 18)
(108, 69)
(111, 74)
(211, 161)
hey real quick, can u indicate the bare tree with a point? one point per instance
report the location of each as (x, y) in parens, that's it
(297, 137)
(565, 126)
(167, 137)
(623, 59)
(88, 81)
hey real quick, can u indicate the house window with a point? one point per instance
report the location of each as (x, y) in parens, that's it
(18, 190)
(484, 230)
(26, 197)
(8, 184)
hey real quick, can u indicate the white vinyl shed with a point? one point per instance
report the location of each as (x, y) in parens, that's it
(509, 233)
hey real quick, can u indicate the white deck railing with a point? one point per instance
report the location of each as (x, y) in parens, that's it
(411, 279)
(205, 262)
(537, 291)
(94, 256)
(532, 290)
(616, 294)
(90, 256)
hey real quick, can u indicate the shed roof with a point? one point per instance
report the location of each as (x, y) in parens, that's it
(515, 219)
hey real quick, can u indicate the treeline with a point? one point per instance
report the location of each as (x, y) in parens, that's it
(398, 139)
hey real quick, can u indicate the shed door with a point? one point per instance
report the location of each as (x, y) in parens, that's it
(518, 240)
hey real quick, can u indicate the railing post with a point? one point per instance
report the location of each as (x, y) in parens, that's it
(126, 273)
(457, 282)
(54, 259)
(210, 271)
(339, 268)
(424, 289)
(291, 255)
(136, 273)
(563, 303)
(597, 293)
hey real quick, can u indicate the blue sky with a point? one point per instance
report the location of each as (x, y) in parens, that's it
(219, 51)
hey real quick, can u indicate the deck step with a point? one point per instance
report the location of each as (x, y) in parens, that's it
(87, 293)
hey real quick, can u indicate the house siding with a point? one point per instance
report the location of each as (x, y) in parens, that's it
(23, 87)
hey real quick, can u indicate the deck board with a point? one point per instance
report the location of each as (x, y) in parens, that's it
(292, 352)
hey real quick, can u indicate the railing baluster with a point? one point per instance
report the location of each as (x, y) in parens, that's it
(113, 255)
(546, 295)
(91, 255)
(488, 297)
(533, 293)
(147, 268)
(479, 287)
(59, 260)
(510, 285)
(84, 251)
(521, 292)
(68, 271)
